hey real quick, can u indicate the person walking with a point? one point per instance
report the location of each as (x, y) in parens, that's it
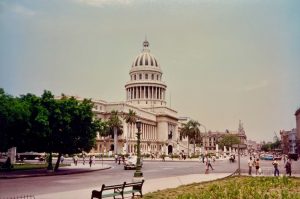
(75, 160)
(250, 164)
(90, 161)
(288, 167)
(209, 164)
(276, 171)
(257, 166)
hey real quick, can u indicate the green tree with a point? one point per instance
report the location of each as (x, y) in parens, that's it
(194, 131)
(130, 119)
(115, 128)
(76, 127)
(228, 140)
(191, 131)
(14, 125)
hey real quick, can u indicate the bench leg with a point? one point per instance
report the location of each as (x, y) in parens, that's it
(96, 194)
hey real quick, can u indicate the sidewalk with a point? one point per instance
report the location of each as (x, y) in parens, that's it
(80, 168)
(149, 185)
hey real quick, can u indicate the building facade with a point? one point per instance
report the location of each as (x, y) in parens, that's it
(297, 114)
(146, 96)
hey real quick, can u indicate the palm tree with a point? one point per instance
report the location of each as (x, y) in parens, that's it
(191, 131)
(184, 132)
(115, 128)
(194, 131)
(130, 118)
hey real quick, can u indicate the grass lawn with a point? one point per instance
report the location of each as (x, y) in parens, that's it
(27, 166)
(235, 188)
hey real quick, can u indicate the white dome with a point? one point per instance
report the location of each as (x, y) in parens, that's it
(145, 58)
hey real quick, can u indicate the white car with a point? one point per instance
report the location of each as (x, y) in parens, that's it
(130, 163)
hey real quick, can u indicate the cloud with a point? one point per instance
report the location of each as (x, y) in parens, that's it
(21, 10)
(261, 84)
(101, 3)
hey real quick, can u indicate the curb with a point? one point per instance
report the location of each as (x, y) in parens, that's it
(52, 173)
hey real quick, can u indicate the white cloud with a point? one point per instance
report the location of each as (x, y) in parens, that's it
(261, 84)
(101, 3)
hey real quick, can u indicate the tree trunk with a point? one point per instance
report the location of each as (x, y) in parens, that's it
(188, 147)
(57, 162)
(50, 167)
(194, 146)
(115, 140)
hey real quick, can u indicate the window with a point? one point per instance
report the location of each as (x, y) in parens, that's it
(152, 76)
(134, 77)
(156, 77)
(146, 76)
(140, 76)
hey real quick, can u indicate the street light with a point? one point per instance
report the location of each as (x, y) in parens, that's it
(138, 175)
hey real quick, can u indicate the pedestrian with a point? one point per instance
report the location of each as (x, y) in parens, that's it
(288, 167)
(209, 164)
(116, 158)
(119, 159)
(203, 158)
(62, 158)
(75, 160)
(276, 171)
(257, 166)
(90, 161)
(250, 164)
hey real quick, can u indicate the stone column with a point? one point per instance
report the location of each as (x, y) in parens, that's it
(140, 92)
(152, 88)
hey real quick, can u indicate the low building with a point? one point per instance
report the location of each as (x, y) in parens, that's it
(297, 115)
(289, 141)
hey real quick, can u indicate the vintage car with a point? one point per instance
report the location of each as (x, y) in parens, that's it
(130, 163)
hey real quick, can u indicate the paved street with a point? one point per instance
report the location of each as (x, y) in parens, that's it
(151, 169)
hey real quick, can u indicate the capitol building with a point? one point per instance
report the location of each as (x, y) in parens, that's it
(146, 96)
(160, 132)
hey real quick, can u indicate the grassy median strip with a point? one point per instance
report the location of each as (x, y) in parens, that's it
(27, 166)
(235, 188)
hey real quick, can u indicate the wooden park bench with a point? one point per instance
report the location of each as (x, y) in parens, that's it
(118, 190)
(133, 187)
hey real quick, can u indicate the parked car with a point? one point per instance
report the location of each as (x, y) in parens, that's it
(130, 163)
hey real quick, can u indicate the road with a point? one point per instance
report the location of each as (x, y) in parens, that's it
(117, 174)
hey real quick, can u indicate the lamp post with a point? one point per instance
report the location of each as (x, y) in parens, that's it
(138, 174)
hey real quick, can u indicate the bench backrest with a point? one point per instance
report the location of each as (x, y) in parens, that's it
(135, 185)
(112, 187)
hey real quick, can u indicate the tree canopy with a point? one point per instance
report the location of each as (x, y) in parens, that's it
(191, 131)
(46, 124)
(228, 140)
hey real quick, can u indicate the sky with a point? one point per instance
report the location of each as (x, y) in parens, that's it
(222, 61)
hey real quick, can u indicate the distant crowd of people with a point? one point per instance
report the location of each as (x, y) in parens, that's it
(252, 162)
